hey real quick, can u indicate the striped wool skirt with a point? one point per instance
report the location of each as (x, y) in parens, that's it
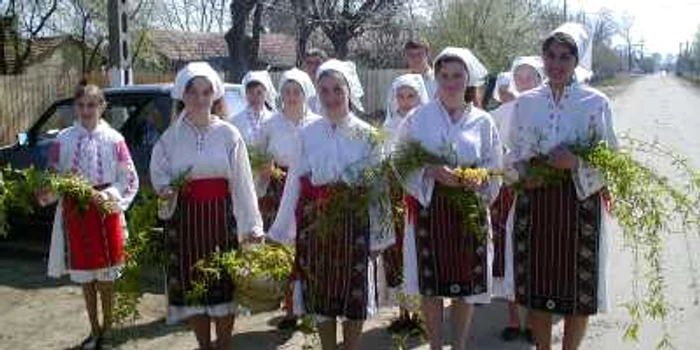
(499, 219)
(450, 262)
(557, 242)
(95, 241)
(202, 225)
(270, 202)
(392, 257)
(333, 266)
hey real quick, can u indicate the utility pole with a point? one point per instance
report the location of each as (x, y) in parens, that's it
(566, 12)
(119, 47)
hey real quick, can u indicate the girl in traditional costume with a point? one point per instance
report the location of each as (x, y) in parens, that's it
(560, 243)
(260, 95)
(281, 138)
(527, 73)
(442, 259)
(216, 210)
(337, 265)
(406, 96)
(89, 244)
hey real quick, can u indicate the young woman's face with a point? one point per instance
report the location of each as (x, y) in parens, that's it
(416, 58)
(452, 79)
(199, 96)
(255, 95)
(88, 108)
(334, 95)
(292, 95)
(311, 64)
(559, 63)
(525, 78)
(407, 99)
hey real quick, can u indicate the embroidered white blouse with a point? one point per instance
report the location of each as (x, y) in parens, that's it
(249, 124)
(281, 137)
(101, 157)
(539, 124)
(215, 152)
(471, 141)
(331, 154)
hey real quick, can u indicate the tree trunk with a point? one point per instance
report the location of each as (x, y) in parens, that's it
(236, 39)
(256, 30)
(304, 28)
(340, 44)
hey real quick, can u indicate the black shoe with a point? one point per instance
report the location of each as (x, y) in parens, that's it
(399, 325)
(90, 343)
(510, 333)
(288, 323)
(416, 327)
(527, 335)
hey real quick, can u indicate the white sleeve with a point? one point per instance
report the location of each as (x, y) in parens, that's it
(245, 203)
(126, 185)
(492, 149)
(522, 147)
(284, 228)
(587, 179)
(380, 211)
(160, 167)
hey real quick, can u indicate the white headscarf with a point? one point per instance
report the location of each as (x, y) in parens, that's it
(477, 71)
(503, 79)
(301, 78)
(576, 31)
(194, 70)
(414, 81)
(262, 77)
(349, 72)
(535, 62)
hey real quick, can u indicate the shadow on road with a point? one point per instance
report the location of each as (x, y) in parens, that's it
(27, 270)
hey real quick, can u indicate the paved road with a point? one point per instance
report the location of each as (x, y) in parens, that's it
(39, 314)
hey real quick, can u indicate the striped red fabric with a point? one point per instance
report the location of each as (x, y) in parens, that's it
(202, 225)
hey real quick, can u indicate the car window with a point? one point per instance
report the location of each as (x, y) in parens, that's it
(235, 101)
(62, 117)
(142, 131)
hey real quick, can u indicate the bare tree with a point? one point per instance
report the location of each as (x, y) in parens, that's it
(305, 26)
(30, 18)
(193, 15)
(341, 21)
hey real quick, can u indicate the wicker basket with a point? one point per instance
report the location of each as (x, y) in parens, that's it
(259, 294)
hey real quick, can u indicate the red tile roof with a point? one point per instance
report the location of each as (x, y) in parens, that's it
(276, 49)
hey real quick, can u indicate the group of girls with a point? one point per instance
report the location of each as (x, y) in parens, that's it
(544, 248)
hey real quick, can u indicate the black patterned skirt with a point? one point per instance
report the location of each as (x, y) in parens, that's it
(450, 261)
(499, 218)
(270, 202)
(333, 266)
(392, 257)
(202, 225)
(556, 248)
